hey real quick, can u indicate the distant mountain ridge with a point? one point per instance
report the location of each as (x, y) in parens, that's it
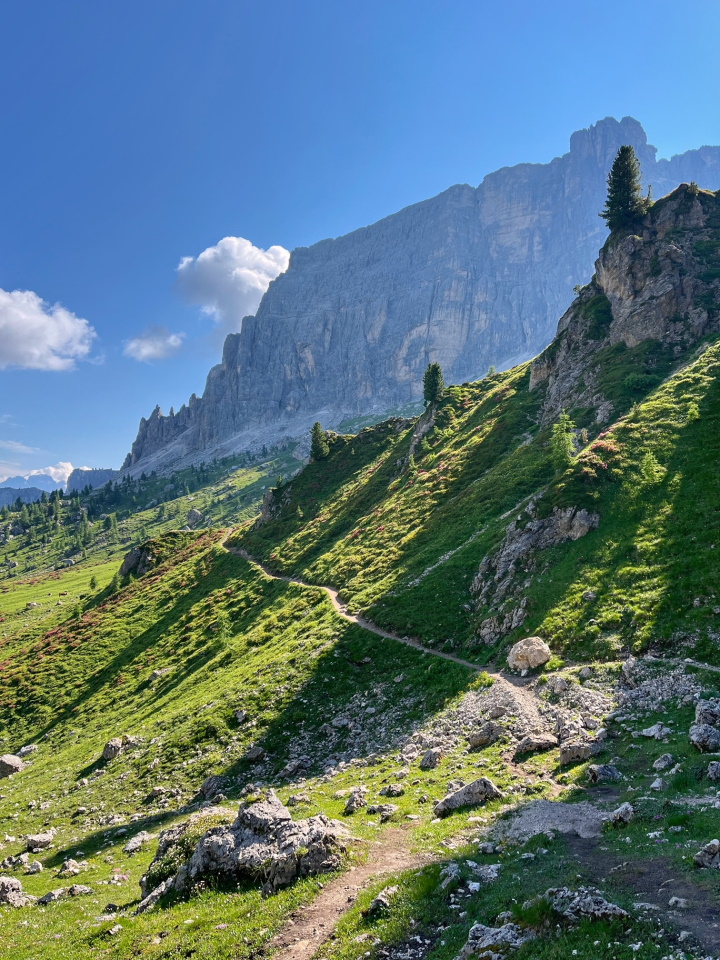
(471, 278)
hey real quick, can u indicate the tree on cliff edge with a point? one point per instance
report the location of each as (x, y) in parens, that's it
(625, 203)
(433, 383)
(319, 447)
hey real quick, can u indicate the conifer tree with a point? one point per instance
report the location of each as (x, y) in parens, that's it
(433, 383)
(319, 447)
(625, 203)
(562, 441)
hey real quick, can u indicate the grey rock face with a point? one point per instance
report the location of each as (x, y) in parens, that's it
(81, 478)
(470, 278)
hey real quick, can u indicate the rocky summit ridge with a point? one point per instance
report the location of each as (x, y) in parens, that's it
(471, 278)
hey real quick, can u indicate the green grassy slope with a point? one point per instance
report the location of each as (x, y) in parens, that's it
(358, 522)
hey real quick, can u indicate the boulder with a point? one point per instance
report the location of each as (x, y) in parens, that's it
(708, 711)
(194, 517)
(477, 792)
(713, 770)
(493, 943)
(263, 845)
(528, 654)
(11, 893)
(603, 773)
(705, 737)
(583, 904)
(623, 814)
(137, 561)
(10, 764)
(709, 856)
(431, 758)
(113, 748)
(27, 750)
(356, 800)
(535, 743)
(488, 733)
(576, 750)
(213, 785)
(663, 762)
(40, 841)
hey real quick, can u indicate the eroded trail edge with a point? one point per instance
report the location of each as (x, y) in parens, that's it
(308, 928)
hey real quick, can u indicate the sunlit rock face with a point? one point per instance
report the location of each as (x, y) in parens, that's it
(471, 278)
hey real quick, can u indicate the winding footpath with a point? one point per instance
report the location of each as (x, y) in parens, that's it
(342, 611)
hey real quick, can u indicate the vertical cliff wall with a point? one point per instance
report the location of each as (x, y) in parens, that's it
(470, 278)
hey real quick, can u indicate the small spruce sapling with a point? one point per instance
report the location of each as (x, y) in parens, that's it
(562, 442)
(319, 446)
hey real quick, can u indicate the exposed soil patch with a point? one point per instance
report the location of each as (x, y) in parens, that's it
(308, 929)
(652, 881)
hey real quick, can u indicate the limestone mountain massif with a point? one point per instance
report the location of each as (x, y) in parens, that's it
(471, 278)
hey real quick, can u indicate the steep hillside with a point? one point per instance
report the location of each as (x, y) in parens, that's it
(472, 278)
(568, 811)
(478, 541)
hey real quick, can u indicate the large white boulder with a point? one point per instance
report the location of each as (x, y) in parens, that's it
(529, 653)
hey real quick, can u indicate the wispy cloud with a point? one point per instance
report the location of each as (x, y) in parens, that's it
(35, 335)
(18, 447)
(155, 343)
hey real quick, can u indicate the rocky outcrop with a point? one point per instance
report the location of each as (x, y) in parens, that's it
(501, 577)
(470, 278)
(263, 845)
(138, 561)
(659, 286)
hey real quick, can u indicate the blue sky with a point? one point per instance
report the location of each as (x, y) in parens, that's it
(136, 134)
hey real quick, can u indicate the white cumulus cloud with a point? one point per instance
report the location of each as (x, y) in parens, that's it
(155, 343)
(59, 473)
(228, 280)
(35, 335)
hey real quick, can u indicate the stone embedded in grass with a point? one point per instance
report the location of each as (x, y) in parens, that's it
(583, 904)
(663, 762)
(487, 734)
(603, 773)
(11, 893)
(528, 654)
(10, 764)
(385, 810)
(658, 730)
(577, 750)
(709, 856)
(40, 841)
(113, 748)
(494, 942)
(137, 842)
(535, 743)
(356, 800)
(431, 758)
(623, 814)
(713, 770)
(382, 902)
(477, 792)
